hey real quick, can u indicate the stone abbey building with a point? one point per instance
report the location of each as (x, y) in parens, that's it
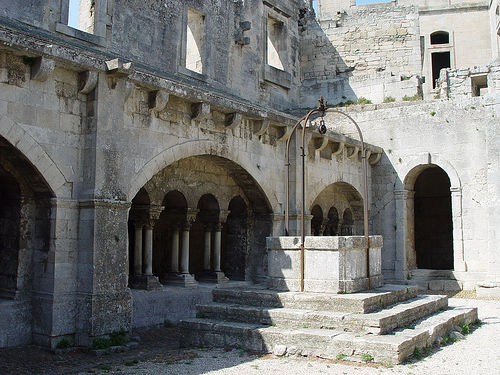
(143, 150)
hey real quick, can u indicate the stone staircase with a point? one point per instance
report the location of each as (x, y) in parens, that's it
(387, 323)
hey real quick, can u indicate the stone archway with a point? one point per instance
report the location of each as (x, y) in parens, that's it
(340, 197)
(432, 220)
(235, 240)
(404, 195)
(25, 227)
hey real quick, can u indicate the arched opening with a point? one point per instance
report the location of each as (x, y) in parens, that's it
(10, 211)
(440, 37)
(344, 198)
(317, 220)
(433, 220)
(201, 238)
(235, 240)
(167, 236)
(347, 228)
(332, 225)
(197, 228)
(25, 227)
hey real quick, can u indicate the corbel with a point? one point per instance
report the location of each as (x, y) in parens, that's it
(264, 125)
(239, 38)
(319, 146)
(340, 149)
(158, 100)
(129, 89)
(354, 154)
(200, 111)
(376, 159)
(88, 81)
(42, 68)
(116, 69)
(233, 120)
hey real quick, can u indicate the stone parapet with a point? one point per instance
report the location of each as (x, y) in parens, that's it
(334, 264)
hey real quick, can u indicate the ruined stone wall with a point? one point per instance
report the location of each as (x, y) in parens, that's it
(363, 51)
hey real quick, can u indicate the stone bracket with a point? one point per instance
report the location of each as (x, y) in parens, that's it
(200, 111)
(375, 158)
(354, 153)
(117, 69)
(233, 120)
(239, 38)
(340, 149)
(158, 100)
(264, 125)
(42, 68)
(88, 81)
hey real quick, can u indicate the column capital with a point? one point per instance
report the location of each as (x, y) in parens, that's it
(218, 226)
(153, 215)
(456, 190)
(223, 214)
(404, 194)
(191, 215)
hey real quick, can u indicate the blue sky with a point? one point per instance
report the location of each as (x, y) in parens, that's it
(73, 9)
(73, 13)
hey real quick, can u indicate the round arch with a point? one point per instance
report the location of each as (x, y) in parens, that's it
(21, 140)
(201, 148)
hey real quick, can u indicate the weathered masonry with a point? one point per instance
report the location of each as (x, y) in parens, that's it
(142, 151)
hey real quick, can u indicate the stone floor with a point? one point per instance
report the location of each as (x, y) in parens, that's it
(160, 346)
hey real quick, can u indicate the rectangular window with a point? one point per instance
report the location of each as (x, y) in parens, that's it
(194, 40)
(81, 15)
(479, 85)
(276, 44)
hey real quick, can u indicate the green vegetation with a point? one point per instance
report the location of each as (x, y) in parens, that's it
(407, 98)
(118, 338)
(420, 353)
(433, 113)
(389, 99)
(365, 357)
(340, 356)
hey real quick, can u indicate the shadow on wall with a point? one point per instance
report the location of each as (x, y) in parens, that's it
(324, 72)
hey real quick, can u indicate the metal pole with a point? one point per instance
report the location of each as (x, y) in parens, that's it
(365, 191)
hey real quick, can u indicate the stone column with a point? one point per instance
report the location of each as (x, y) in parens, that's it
(138, 249)
(405, 257)
(207, 250)
(220, 277)
(458, 240)
(174, 265)
(322, 229)
(145, 280)
(148, 250)
(184, 278)
(185, 248)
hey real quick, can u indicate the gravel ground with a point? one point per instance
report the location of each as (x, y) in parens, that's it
(476, 354)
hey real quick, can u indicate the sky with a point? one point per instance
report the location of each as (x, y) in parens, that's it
(73, 13)
(73, 9)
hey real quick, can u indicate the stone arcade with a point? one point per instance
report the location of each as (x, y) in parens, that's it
(142, 154)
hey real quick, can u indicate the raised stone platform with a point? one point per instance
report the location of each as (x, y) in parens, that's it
(387, 323)
(334, 264)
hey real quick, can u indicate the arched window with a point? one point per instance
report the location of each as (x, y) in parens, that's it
(440, 37)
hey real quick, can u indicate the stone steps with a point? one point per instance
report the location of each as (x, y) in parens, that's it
(325, 343)
(356, 302)
(378, 322)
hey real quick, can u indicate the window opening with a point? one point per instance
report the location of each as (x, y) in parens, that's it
(440, 60)
(479, 85)
(276, 43)
(81, 15)
(194, 40)
(440, 37)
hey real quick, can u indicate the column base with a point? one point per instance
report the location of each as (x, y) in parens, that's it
(185, 280)
(213, 277)
(146, 282)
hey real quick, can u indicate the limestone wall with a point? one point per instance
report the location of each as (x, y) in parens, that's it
(453, 135)
(363, 51)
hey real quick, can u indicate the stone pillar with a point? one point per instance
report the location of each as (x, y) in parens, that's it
(185, 248)
(174, 265)
(220, 277)
(405, 257)
(207, 250)
(322, 229)
(458, 240)
(138, 249)
(184, 278)
(146, 279)
(148, 250)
